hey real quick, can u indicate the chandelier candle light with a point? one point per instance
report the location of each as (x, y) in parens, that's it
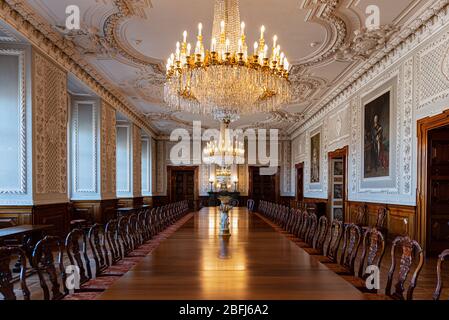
(227, 81)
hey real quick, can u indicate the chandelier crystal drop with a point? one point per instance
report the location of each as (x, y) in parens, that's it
(227, 80)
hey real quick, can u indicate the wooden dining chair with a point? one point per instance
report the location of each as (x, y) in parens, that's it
(362, 216)
(441, 258)
(381, 221)
(76, 249)
(333, 243)
(311, 229)
(250, 205)
(373, 249)
(320, 237)
(46, 266)
(112, 240)
(6, 275)
(351, 244)
(411, 261)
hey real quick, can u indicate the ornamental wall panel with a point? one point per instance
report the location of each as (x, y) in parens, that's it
(50, 114)
(108, 151)
(137, 161)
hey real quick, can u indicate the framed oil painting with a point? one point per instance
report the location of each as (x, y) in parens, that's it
(315, 154)
(377, 137)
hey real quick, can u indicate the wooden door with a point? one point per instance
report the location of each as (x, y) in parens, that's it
(337, 190)
(263, 187)
(183, 187)
(438, 191)
(300, 183)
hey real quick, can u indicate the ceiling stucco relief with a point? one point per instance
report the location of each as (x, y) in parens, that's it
(89, 42)
(324, 12)
(128, 9)
(365, 43)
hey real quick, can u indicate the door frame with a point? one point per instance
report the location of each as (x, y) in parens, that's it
(277, 182)
(422, 196)
(299, 166)
(195, 170)
(339, 153)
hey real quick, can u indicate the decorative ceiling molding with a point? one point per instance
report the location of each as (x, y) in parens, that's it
(158, 116)
(365, 43)
(88, 41)
(408, 36)
(305, 87)
(111, 29)
(324, 12)
(43, 37)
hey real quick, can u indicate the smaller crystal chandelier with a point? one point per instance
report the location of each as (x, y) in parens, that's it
(226, 151)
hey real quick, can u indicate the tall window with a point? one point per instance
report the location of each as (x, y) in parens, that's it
(13, 128)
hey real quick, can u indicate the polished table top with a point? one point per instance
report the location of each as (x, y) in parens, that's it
(255, 263)
(22, 230)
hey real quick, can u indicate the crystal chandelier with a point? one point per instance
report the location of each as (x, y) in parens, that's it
(226, 151)
(227, 81)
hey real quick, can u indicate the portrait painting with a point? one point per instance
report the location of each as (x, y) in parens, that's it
(315, 158)
(377, 137)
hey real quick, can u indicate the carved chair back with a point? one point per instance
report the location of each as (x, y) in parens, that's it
(151, 220)
(410, 250)
(112, 238)
(234, 203)
(299, 216)
(441, 258)
(134, 231)
(97, 242)
(335, 235)
(351, 244)
(291, 220)
(311, 229)
(250, 205)
(6, 278)
(304, 226)
(362, 215)
(45, 265)
(145, 220)
(321, 234)
(382, 215)
(372, 252)
(76, 249)
(124, 236)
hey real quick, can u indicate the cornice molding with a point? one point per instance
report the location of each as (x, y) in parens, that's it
(44, 38)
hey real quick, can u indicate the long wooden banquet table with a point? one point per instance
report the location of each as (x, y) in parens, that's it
(255, 263)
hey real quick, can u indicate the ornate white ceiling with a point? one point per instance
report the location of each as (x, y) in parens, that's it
(128, 41)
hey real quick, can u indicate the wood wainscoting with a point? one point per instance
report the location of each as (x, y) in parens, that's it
(98, 211)
(397, 217)
(57, 215)
(129, 202)
(148, 201)
(15, 215)
(320, 204)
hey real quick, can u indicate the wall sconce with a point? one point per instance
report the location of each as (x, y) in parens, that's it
(235, 180)
(211, 182)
